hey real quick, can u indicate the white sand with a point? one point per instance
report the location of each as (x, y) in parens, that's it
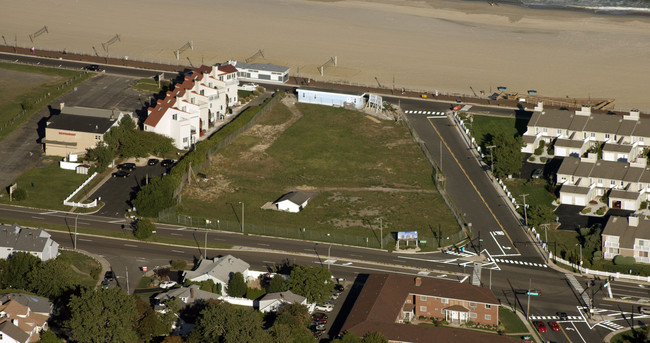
(431, 44)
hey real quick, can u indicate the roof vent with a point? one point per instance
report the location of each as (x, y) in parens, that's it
(633, 221)
(418, 281)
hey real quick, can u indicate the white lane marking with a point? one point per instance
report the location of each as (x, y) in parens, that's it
(116, 221)
(264, 244)
(268, 262)
(85, 240)
(35, 217)
(465, 278)
(130, 245)
(48, 213)
(175, 234)
(178, 251)
(582, 338)
(389, 271)
(423, 273)
(180, 229)
(497, 242)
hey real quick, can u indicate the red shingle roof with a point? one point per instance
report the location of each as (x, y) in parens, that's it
(228, 68)
(203, 69)
(159, 111)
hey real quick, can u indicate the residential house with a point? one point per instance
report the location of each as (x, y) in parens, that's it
(574, 133)
(204, 96)
(187, 295)
(10, 333)
(77, 129)
(219, 270)
(32, 241)
(627, 237)
(331, 97)
(388, 301)
(35, 303)
(586, 178)
(292, 202)
(271, 302)
(23, 318)
(261, 72)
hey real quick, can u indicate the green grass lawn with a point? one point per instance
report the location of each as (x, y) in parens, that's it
(631, 336)
(21, 86)
(47, 186)
(149, 85)
(511, 321)
(338, 153)
(82, 262)
(535, 188)
(484, 127)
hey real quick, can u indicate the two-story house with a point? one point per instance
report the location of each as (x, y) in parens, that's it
(219, 270)
(37, 242)
(627, 237)
(176, 118)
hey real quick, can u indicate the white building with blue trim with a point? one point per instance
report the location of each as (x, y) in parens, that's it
(331, 97)
(261, 72)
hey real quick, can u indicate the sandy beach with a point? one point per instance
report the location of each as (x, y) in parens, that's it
(433, 44)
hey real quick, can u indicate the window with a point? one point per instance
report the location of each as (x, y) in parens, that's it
(600, 180)
(444, 301)
(545, 130)
(584, 135)
(472, 315)
(423, 298)
(607, 135)
(642, 243)
(613, 183)
(98, 137)
(593, 134)
(472, 305)
(488, 317)
(643, 254)
(488, 306)
(423, 309)
(640, 139)
(174, 116)
(559, 131)
(184, 139)
(303, 95)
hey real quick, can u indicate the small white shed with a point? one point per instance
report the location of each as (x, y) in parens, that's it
(292, 202)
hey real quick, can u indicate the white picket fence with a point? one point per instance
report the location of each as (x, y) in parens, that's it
(67, 201)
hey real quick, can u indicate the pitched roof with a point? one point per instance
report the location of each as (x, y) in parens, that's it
(79, 123)
(261, 66)
(26, 240)
(287, 296)
(619, 226)
(13, 308)
(35, 303)
(219, 268)
(378, 306)
(13, 331)
(297, 198)
(227, 68)
(192, 293)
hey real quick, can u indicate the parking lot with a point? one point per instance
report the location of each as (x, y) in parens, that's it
(118, 192)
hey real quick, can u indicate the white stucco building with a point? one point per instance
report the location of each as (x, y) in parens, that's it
(37, 242)
(261, 72)
(330, 97)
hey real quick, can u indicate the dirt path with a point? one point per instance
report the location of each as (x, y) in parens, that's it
(367, 189)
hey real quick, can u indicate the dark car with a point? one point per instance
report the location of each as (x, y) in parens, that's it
(92, 67)
(167, 163)
(106, 284)
(153, 161)
(126, 166)
(537, 173)
(121, 173)
(563, 316)
(319, 316)
(110, 275)
(339, 288)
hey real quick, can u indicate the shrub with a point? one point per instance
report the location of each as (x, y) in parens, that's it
(586, 210)
(598, 255)
(643, 205)
(621, 260)
(543, 159)
(144, 228)
(551, 149)
(540, 148)
(20, 194)
(601, 211)
(532, 158)
(179, 264)
(254, 293)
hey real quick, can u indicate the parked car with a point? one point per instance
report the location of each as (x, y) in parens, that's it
(322, 317)
(92, 67)
(167, 284)
(110, 275)
(319, 327)
(167, 163)
(105, 284)
(554, 326)
(121, 173)
(339, 288)
(126, 166)
(334, 296)
(541, 327)
(563, 316)
(644, 309)
(325, 307)
(153, 161)
(537, 173)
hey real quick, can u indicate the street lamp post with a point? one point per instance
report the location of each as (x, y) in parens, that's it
(75, 231)
(580, 246)
(242, 216)
(525, 214)
(381, 233)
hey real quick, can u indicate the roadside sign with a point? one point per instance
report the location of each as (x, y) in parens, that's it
(534, 292)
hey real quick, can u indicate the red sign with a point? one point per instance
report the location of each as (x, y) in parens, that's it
(67, 133)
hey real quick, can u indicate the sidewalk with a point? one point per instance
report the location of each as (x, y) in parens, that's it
(531, 331)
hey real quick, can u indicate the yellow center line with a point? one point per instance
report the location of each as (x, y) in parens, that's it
(565, 335)
(474, 186)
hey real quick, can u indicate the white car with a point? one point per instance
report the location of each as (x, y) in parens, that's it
(167, 284)
(327, 307)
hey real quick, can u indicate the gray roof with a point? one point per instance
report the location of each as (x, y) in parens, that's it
(642, 128)
(261, 66)
(80, 123)
(332, 91)
(617, 147)
(574, 189)
(605, 123)
(529, 139)
(610, 170)
(570, 143)
(220, 268)
(553, 119)
(578, 123)
(297, 198)
(192, 293)
(626, 128)
(569, 165)
(27, 240)
(35, 303)
(618, 226)
(287, 296)
(621, 194)
(90, 112)
(13, 331)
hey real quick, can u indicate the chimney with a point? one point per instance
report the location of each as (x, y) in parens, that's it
(634, 115)
(585, 111)
(14, 321)
(539, 107)
(418, 281)
(61, 106)
(633, 221)
(191, 292)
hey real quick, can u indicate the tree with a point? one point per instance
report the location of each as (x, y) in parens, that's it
(277, 284)
(19, 270)
(297, 311)
(19, 194)
(52, 279)
(156, 196)
(538, 214)
(312, 282)
(146, 322)
(48, 336)
(104, 315)
(291, 323)
(237, 286)
(103, 155)
(508, 158)
(226, 323)
(144, 228)
(348, 337)
(374, 337)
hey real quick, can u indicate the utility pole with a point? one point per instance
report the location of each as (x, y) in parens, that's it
(75, 231)
(525, 215)
(490, 278)
(242, 216)
(528, 302)
(127, 280)
(491, 158)
(580, 246)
